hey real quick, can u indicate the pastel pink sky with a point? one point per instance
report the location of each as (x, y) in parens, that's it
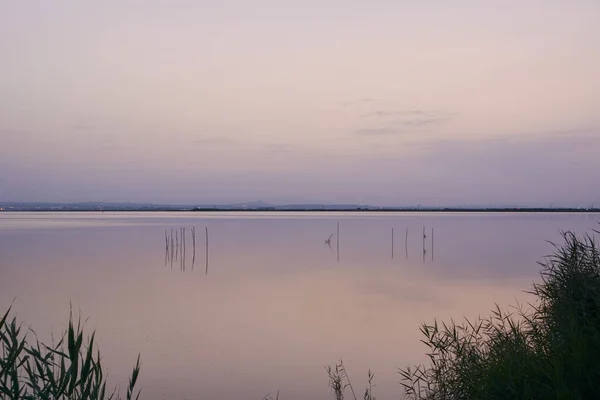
(381, 102)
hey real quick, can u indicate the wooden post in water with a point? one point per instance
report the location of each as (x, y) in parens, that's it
(176, 243)
(337, 236)
(194, 246)
(432, 244)
(166, 248)
(172, 248)
(406, 243)
(392, 243)
(424, 237)
(206, 229)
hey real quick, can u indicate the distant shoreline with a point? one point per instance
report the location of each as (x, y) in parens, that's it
(317, 210)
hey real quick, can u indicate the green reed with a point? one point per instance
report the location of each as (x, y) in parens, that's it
(549, 350)
(69, 369)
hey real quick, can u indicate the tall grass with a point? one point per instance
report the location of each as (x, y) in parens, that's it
(339, 382)
(67, 370)
(547, 350)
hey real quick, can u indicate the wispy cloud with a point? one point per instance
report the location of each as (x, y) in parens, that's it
(409, 121)
(424, 120)
(214, 140)
(358, 102)
(378, 131)
(380, 113)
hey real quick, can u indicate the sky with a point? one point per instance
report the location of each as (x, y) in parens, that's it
(398, 102)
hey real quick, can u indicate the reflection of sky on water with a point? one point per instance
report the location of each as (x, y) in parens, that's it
(275, 306)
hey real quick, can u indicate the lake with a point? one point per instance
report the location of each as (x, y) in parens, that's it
(275, 303)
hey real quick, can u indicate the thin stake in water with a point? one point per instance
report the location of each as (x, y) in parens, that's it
(424, 251)
(392, 243)
(172, 248)
(206, 230)
(432, 244)
(338, 242)
(194, 246)
(406, 243)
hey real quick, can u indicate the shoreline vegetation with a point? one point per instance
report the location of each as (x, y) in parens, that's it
(547, 350)
(69, 369)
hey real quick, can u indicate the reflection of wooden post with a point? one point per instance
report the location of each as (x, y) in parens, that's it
(206, 229)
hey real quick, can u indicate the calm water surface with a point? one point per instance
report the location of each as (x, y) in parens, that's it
(277, 304)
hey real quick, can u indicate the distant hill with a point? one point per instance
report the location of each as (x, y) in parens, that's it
(250, 204)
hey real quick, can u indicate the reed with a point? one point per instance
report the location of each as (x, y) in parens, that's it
(339, 382)
(547, 351)
(67, 370)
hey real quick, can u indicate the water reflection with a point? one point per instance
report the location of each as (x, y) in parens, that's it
(278, 303)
